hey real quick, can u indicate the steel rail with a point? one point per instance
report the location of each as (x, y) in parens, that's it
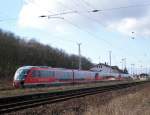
(10, 104)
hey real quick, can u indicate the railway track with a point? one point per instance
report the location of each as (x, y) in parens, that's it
(9, 104)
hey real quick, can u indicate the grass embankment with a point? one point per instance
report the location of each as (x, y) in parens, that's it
(131, 101)
(5, 85)
(6, 88)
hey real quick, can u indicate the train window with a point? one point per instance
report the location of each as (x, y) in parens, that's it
(81, 75)
(66, 75)
(45, 73)
(42, 73)
(36, 73)
(63, 75)
(50, 73)
(21, 74)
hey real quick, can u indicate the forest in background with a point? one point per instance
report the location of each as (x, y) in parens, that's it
(16, 52)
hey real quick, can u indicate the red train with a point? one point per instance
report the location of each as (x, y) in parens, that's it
(28, 76)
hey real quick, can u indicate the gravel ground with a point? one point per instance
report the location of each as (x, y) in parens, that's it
(130, 101)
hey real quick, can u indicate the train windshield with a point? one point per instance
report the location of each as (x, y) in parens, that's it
(20, 74)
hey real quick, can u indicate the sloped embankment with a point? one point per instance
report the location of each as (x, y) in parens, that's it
(131, 101)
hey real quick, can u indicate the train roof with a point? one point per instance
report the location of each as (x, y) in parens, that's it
(29, 67)
(26, 67)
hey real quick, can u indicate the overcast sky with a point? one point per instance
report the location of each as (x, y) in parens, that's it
(72, 21)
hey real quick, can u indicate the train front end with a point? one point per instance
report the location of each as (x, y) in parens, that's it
(19, 77)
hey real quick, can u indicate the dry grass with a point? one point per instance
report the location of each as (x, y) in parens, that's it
(5, 85)
(133, 101)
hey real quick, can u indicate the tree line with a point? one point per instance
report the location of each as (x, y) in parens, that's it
(16, 52)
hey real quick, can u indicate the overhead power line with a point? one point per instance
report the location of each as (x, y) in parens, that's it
(88, 11)
(88, 4)
(78, 27)
(125, 7)
(87, 17)
(88, 32)
(8, 19)
(100, 10)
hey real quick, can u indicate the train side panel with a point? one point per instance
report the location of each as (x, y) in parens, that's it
(34, 75)
(64, 76)
(39, 76)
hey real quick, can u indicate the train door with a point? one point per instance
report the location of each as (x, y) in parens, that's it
(96, 76)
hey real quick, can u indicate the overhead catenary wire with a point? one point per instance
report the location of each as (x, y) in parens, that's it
(126, 7)
(76, 26)
(90, 33)
(91, 11)
(68, 21)
(8, 19)
(88, 4)
(100, 10)
(69, 12)
(107, 9)
(54, 17)
(4, 19)
(87, 17)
